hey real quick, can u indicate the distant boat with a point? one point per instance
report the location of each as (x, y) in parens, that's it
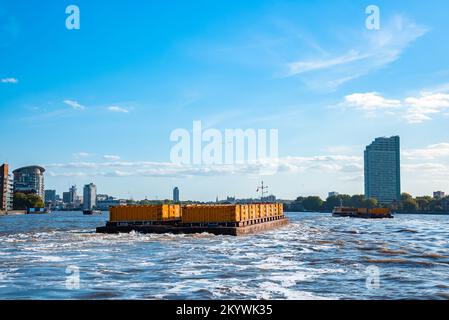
(91, 212)
(366, 213)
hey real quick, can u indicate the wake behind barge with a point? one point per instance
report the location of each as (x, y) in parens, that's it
(232, 220)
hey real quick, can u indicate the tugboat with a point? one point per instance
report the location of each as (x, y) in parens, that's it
(92, 212)
(365, 213)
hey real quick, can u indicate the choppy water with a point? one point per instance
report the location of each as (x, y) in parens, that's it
(315, 257)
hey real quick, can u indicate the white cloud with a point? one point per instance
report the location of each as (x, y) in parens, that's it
(430, 170)
(9, 80)
(118, 109)
(111, 157)
(431, 152)
(331, 163)
(370, 101)
(420, 108)
(75, 105)
(371, 52)
(81, 155)
(413, 109)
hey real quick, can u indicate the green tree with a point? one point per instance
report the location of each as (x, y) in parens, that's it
(336, 201)
(357, 201)
(332, 202)
(22, 201)
(313, 203)
(406, 196)
(424, 203)
(410, 205)
(370, 203)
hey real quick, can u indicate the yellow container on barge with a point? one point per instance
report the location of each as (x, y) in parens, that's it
(231, 213)
(366, 213)
(234, 219)
(163, 212)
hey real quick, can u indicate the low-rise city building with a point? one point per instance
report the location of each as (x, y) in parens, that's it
(104, 204)
(333, 194)
(439, 194)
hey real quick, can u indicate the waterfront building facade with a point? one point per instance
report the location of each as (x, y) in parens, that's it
(29, 180)
(10, 193)
(89, 196)
(6, 188)
(383, 170)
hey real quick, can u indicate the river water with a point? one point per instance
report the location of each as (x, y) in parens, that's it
(314, 257)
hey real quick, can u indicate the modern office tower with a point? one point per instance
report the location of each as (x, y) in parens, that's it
(50, 197)
(383, 170)
(439, 194)
(89, 196)
(29, 180)
(66, 197)
(176, 195)
(4, 187)
(73, 195)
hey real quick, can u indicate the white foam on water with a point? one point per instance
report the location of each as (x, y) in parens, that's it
(270, 290)
(51, 259)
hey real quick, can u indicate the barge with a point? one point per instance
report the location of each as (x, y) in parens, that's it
(364, 213)
(234, 220)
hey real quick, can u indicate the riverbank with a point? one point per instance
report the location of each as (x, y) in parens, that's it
(12, 213)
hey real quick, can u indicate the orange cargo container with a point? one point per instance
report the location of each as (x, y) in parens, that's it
(145, 213)
(229, 213)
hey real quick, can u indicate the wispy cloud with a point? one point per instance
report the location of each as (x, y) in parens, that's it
(118, 109)
(111, 157)
(79, 155)
(300, 67)
(431, 152)
(9, 80)
(74, 105)
(379, 49)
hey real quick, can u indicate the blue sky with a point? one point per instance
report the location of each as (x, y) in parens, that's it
(98, 104)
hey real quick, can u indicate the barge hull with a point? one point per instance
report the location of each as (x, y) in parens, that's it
(192, 229)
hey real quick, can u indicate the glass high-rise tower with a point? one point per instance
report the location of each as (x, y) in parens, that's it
(383, 170)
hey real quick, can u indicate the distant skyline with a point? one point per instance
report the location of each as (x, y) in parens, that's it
(98, 104)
